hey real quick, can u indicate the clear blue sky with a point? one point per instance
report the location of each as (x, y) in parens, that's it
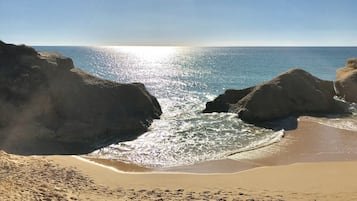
(179, 22)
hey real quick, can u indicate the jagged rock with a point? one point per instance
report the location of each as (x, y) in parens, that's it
(346, 81)
(49, 106)
(294, 92)
(222, 102)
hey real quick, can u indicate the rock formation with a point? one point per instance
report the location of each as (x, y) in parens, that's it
(294, 92)
(49, 106)
(346, 81)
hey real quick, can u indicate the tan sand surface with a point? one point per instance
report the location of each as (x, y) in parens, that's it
(304, 181)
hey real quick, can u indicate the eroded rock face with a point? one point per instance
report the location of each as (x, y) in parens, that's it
(294, 92)
(223, 102)
(49, 106)
(346, 81)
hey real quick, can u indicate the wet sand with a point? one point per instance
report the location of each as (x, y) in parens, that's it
(310, 142)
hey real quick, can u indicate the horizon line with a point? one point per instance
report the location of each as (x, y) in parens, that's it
(182, 45)
(187, 46)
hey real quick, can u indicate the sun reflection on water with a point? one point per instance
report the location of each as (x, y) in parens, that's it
(148, 53)
(155, 66)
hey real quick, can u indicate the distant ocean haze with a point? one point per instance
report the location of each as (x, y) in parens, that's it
(184, 79)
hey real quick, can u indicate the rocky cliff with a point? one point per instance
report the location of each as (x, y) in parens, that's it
(346, 81)
(49, 106)
(293, 93)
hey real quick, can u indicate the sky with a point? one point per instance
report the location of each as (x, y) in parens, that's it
(179, 22)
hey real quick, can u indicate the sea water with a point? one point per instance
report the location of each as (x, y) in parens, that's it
(183, 79)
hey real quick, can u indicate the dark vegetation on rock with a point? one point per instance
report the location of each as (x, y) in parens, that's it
(49, 106)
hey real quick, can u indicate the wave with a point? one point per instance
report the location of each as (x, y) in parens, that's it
(336, 121)
(347, 123)
(192, 139)
(272, 139)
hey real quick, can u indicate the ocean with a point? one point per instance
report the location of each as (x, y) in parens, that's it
(183, 79)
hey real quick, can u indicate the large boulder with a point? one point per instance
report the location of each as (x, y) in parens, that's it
(49, 106)
(292, 93)
(346, 81)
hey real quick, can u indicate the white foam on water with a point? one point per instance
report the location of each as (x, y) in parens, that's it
(185, 136)
(341, 122)
(349, 124)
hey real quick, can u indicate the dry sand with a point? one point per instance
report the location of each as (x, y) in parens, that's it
(73, 178)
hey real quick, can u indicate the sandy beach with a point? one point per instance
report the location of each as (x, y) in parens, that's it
(230, 100)
(313, 162)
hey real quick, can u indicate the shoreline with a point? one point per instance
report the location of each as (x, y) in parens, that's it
(312, 141)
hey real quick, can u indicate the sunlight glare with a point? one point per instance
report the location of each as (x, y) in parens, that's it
(148, 53)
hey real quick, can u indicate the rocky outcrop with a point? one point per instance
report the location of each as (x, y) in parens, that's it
(223, 102)
(49, 106)
(294, 92)
(346, 81)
